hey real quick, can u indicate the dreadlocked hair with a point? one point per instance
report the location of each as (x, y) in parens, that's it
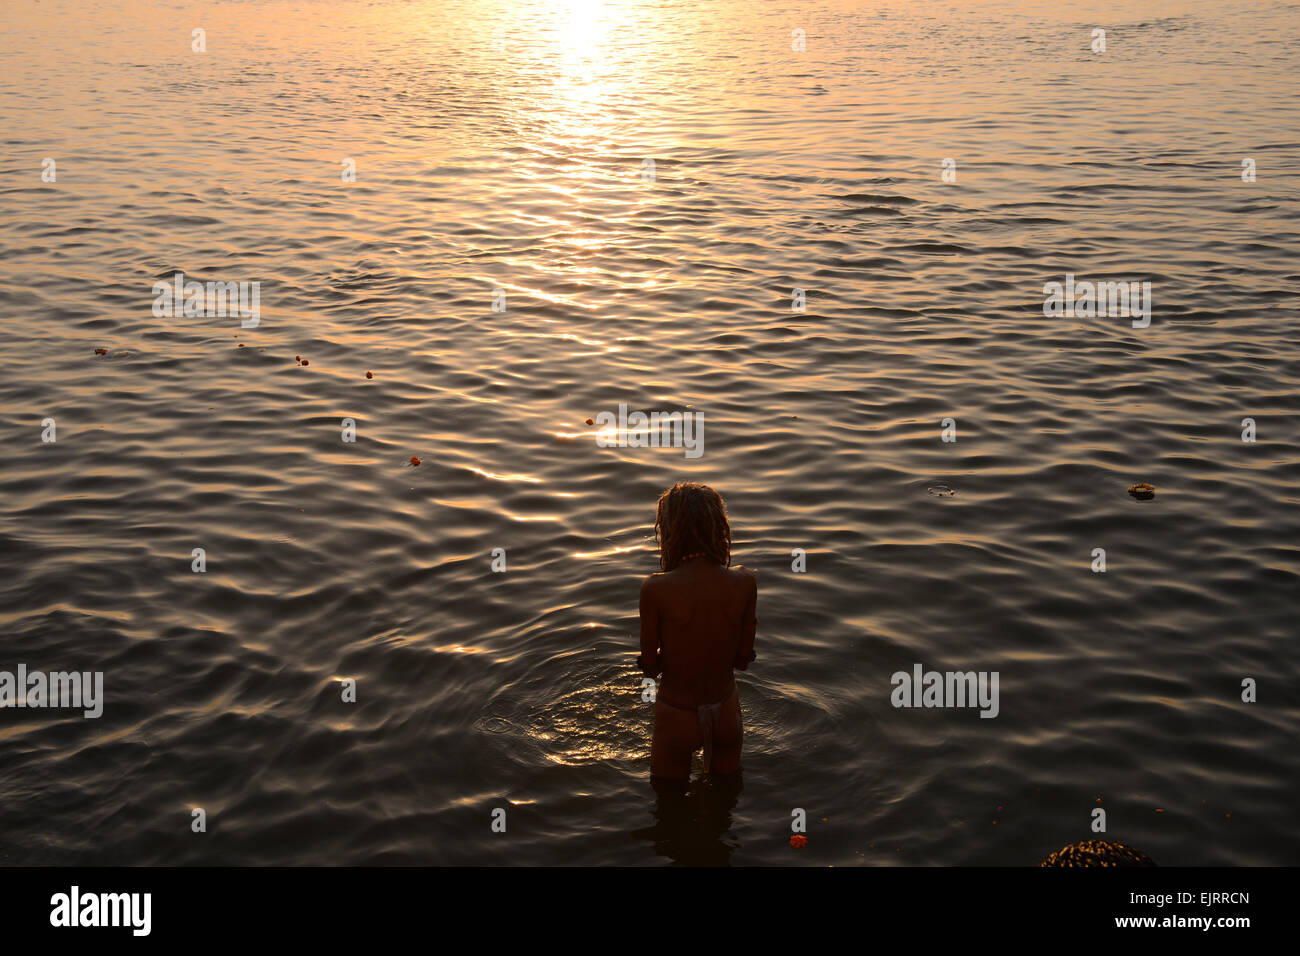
(692, 518)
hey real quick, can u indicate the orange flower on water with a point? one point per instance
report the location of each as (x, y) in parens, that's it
(370, 375)
(798, 841)
(591, 421)
(414, 460)
(297, 358)
(305, 362)
(101, 351)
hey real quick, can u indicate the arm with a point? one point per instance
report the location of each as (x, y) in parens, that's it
(748, 625)
(649, 661)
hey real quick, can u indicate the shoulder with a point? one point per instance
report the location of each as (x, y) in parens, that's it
(744, 576)
(652, 584)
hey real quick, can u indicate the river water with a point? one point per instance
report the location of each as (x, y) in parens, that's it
(509, 263)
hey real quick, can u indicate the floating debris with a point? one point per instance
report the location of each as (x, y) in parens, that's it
(1098, 853)
(101, 351)
(1142, 491)
(591, 421)
(941, 491)
(370, 375)
(305, 362)
(414, 460)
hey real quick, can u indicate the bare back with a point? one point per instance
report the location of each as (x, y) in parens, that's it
(697, 624)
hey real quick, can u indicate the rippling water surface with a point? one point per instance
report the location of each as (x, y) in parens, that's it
(501, 145)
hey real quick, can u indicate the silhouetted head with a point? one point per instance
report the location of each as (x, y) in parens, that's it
(692, 519)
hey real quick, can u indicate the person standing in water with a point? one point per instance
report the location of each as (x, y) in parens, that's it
(697, 625)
